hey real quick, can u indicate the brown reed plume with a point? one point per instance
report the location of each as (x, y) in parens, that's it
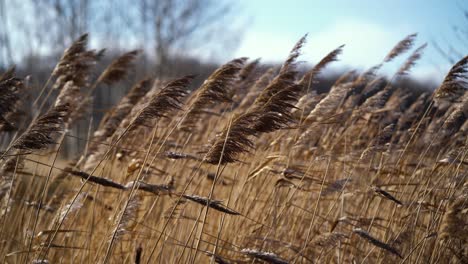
(280, 82)
(411, 61)
(77, 69)
(257, 88)
(247, 77)
(378, 100)
(310, 77)
(75, 64)
(374, 87)
(370, 74)
(286, 77)
(159, 103)
(248, 70)
(70, 54)
(348, 76)
(41, 134)
(98, 180)
(71, 95)
(8, 74)
(269, 112)
(412, 113)
(215, 89)
(119, 68)
(126, 221)
(454, 85)
(112, 120)
(329, 104)
(9, 167)
(401, 47)
(453, 225)
(457, 117)
(233, 140)
(167, 99)
(10, 91)
(275, 114)
(290, 63)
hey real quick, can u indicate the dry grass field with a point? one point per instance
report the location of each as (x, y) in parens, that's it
(253, 166)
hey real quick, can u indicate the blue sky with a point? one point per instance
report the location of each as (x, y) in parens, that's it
(368, 28)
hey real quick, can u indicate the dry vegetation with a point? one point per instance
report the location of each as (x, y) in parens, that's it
(252, 167)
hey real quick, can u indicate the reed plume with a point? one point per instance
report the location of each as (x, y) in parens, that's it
(233, 140)
(248, 70)
(401, 47)
(10, 94)
(257, 88)
(290, 63)
(310, 77)
(40, 135)
(270, 111)
(454, 223)
(169, 98)
(119, 68)
(215, 89)
(75, 64)
(454, 85)
(411, 61)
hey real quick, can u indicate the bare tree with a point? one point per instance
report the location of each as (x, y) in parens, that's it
(5, 47)
(164, 27)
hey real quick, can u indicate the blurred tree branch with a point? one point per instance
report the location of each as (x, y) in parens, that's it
(163, 28)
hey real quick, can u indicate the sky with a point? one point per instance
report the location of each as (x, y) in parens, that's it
(368, 28)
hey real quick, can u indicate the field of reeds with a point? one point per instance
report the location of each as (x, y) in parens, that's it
(251, 166)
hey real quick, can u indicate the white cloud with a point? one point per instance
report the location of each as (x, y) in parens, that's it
(366, 44)
(269, 46)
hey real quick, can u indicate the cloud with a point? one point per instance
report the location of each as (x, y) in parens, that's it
(366, 44)
(269, 46)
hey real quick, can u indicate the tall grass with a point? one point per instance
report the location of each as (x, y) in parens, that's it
(253, 166)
